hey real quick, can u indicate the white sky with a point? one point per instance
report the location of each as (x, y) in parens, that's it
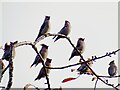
(97, 22)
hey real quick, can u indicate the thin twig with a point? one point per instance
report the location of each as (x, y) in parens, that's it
(107, 54)
(110, 76)
(63, 67)
(95, 84)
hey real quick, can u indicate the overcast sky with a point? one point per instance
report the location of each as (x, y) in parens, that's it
(97, 22)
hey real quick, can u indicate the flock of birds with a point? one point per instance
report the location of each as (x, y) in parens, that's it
(112, 70)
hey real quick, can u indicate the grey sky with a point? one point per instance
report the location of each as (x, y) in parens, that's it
(96, 22)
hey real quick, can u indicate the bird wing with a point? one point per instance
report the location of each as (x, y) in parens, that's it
(112, 70)
(36, 61)
(81, 47)
(44, 53)
(64, 31)
(41, 74)
(115, 69)
(41, 28)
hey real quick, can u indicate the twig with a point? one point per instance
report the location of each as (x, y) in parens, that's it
(95, 84)
(110, 76)
(107, 54)
(63, 67)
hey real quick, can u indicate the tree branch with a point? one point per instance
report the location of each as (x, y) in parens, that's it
(95, 84)
(35, 48)
(10, 68)
(93, 57)
(48, 34)
(110, 76)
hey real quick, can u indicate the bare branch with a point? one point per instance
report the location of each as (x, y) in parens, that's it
(48, 34)
(110, 76)
(95, 84)
(63, 67)
(107, 54)
(35, 48)
(93, 57)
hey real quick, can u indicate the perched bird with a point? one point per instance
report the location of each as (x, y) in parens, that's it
(45, 27)
(112, 70)
(42, 71)
(44, 54)
(7, 52)
(83, 68)
(65, 30)
(80, 46)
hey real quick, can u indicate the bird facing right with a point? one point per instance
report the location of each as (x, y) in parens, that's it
(43, 52)
(65, 30)
(42, 71)
(45, 27)
(112, 70)
(80, 46)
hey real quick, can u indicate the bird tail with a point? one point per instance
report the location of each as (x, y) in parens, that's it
(38, 77)
(31, 65)
(53, 37)
(70, 57)
(39, 35)
(36, 39)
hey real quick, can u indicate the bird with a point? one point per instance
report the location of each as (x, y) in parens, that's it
(112, 70)
(65, 30)
(44, 28)
(44, 54)
(7, 52)
(42, 71)
(84, 68)
(80, 46)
